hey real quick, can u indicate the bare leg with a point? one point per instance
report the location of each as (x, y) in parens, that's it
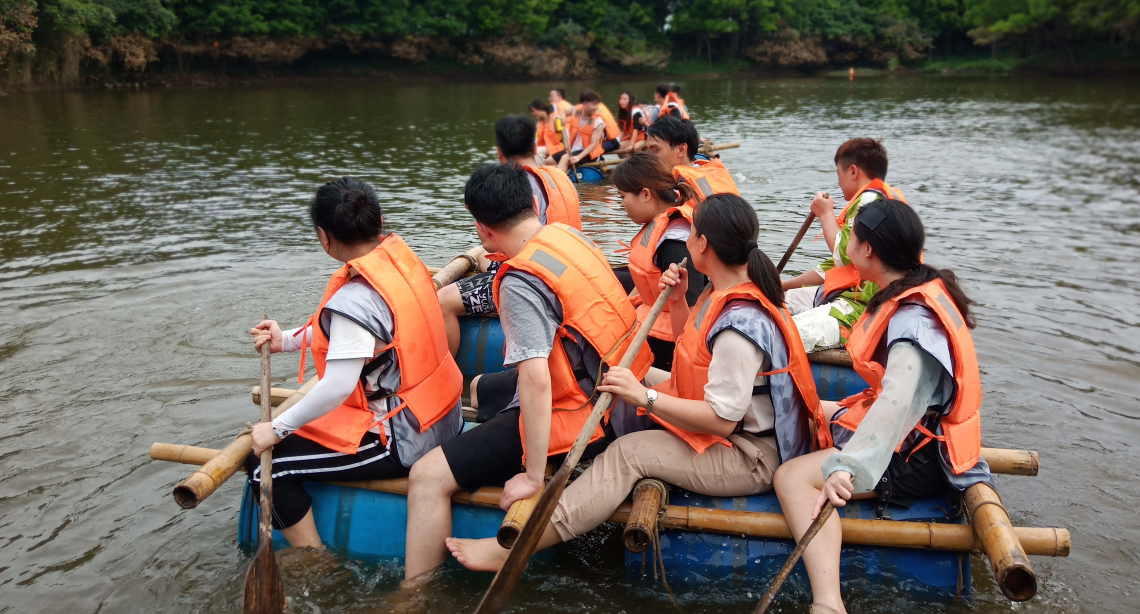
(798, 484)
(304, 533)
(452, 305)
(639, 146)
(487, 554)
(430, 486)
(473, 393)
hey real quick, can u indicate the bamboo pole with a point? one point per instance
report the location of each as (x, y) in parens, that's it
(1012, 462)
(194, 489)
(837, 356)
(458, 267)
(761, 525)
(704, 150)
(1012, 569)
(277, 396)
(516, 518)
(638, 534)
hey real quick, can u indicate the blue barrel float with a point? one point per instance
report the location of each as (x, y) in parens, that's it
(345, 518)
(587, 174)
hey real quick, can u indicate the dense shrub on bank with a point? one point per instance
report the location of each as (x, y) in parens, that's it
(64, 39)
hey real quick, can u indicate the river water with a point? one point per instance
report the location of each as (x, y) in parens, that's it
(143, 232)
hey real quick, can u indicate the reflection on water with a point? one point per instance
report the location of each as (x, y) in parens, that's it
(142, 233)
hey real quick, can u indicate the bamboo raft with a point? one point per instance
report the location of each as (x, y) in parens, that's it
(737, 543)
(597, 171)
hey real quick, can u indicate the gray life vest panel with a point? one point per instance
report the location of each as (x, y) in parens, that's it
(793, 417)
(380, 377)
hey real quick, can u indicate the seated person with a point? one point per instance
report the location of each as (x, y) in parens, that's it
(586, 130)
(740, 398)
(675, 141)
(913, 346)
(555, 200)
(822, 310)
(564, 315)
(632, 121)
(388, 392)
(646, 186)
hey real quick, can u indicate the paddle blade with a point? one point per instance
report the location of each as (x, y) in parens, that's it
(264, 593)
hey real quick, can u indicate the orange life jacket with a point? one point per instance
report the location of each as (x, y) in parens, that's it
(708, 177)
(430, 381)
(586, 128)
(549, 135)
(842, 278)
(674, 98)
(613, 131)
(631, 128)
(691, 357)
(962, 425)
(594, 304)
(561, 197)
(645, 272)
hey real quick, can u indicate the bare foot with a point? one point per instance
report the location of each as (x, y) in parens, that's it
(478, 554)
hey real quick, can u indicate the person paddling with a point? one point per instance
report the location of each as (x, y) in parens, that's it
(646, 186)
(551, 131)
(739, 399)
(916, 432)
(564, 315)
(587, 131)
(830, 297)
(632, 121)
(555, 200)
(388, 392)
(676, 141)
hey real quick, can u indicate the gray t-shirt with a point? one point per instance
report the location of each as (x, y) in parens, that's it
(529, 321)
(536, 189)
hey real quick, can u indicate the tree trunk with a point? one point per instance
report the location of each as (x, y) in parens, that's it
(708, 44)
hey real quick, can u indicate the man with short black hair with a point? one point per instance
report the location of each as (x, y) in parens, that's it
(560, 104)
(675, 141)
(562, 310)
(555, 200)
(831, 296)
(587, 131)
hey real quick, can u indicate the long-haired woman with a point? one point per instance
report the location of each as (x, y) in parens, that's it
(632, 121)
(653, 198)
(740, 375)
(388, 393)
(913, 346)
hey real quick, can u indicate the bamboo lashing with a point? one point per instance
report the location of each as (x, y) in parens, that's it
(704, 150)
(1012, 569)
(458, 267)
(518, 559)
(760, 525)
(643, 514)
(794, 557)
(203, 482)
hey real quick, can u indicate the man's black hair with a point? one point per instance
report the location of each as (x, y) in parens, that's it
(514, 135)
(589, 96)
(664, 89)
(675, 131)
(676, 89)
(561, 92)
(499, 196)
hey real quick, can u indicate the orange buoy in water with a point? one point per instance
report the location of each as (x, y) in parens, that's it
(851, 74)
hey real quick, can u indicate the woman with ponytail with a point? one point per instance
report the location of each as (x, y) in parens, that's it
(652, 198)
(739, 399)
(916, 431)
(377, 407)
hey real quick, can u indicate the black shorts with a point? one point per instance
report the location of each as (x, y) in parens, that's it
(611, 145)
(495, 392)
(910, 477)
(476, 292)
(558, 158)
(491, 453)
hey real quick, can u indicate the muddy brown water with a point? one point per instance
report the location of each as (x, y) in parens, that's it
(143, 232)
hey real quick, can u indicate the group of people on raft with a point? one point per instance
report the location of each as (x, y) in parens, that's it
(720, 401)
(570, 134)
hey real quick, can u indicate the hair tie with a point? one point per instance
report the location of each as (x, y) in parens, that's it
(751, 245)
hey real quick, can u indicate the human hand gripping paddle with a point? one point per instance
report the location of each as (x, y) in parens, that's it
(508, 576)
(264, 593)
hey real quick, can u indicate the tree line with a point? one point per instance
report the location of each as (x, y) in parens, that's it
(559, 37)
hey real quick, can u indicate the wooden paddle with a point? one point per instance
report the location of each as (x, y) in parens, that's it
(795, 242)
(778, 581)
(264, 593)
(508, 576)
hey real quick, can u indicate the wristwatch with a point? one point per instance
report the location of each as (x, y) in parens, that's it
(650, 396)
